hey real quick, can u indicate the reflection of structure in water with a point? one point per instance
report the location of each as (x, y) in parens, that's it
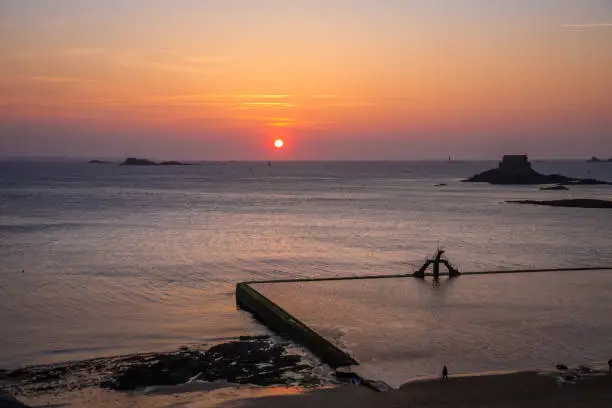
(436, 261)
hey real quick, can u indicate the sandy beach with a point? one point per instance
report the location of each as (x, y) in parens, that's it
(511, 390)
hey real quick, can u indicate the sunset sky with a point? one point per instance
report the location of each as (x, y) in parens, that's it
(342, 79)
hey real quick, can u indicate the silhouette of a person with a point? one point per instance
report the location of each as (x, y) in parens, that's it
(444, 374)
(610, 366)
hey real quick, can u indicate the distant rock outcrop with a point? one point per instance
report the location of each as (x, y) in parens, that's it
(598, 160)
(557, 187)
(516, 169)
(573, 203)
(98, 162)
(133, 161)
(174, 163)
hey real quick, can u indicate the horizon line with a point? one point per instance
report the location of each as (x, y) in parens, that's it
(349, 160)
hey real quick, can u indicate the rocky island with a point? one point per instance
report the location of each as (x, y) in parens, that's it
(573, 203)
(598, 160)
(133, 161)
(174, 163)
(99, 162)
(516, 169)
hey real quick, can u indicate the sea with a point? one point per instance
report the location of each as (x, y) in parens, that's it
(102, 260)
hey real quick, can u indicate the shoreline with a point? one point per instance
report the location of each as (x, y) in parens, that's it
(265, 346)
(302, 384)
(505, 390)
(584, 370)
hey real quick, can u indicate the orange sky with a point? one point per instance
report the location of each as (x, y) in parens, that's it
(355, 79)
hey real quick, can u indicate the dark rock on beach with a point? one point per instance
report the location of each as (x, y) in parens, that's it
(7, 401)
(553, 188)
(516, 169)
(249, 338)
(248, 360)
(575, 203)
(166, 370)
(257, 361)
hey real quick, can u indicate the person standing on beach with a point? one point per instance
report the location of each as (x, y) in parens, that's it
(444, 374)
(610, 366)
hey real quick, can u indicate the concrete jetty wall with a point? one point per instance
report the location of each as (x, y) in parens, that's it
(277, 319)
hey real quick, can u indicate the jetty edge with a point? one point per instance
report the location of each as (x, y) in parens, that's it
(279, 320)
(276, 318)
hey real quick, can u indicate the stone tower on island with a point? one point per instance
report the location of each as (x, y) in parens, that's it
(515, 165)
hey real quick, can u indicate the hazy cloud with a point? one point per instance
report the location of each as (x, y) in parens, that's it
(269, 104)
(356, 104)
(588, 25)
(248, 96)
(85, 52)
(163, 59)
(324, 96)
(221, 99)
(55, 80)
(39, 79)
(205, 61)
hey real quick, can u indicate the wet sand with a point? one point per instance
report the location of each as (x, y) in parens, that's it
(522, 390)
(512, 390)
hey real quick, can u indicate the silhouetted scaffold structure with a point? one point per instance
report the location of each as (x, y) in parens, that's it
(436, 261)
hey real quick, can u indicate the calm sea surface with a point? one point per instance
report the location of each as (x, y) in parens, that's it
(100, 260)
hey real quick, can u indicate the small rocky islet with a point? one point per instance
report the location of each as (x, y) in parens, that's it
(134, 161)
(598, 160)
(517, 170)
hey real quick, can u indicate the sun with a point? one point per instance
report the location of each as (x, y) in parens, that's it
(279, 143)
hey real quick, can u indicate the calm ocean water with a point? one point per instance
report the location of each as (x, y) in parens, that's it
(100, 260)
